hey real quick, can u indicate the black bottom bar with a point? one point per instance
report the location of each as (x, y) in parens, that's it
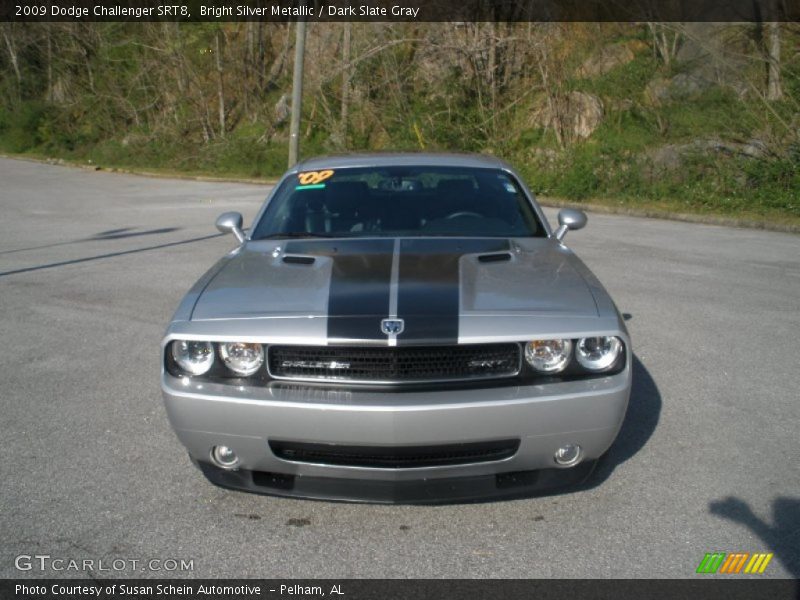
(420, 589)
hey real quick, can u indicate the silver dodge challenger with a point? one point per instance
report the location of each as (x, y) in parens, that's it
(398, 328)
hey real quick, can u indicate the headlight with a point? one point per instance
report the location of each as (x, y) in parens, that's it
(598, 353)
(241, 358)
(193, 357)
(548, 356)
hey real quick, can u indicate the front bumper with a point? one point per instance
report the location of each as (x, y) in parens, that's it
(543, 417)
(475, 488)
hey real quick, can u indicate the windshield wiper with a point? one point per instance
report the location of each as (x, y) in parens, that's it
(296, 234)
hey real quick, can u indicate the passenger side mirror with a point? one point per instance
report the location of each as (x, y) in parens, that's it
(569, 219)
(231, 222)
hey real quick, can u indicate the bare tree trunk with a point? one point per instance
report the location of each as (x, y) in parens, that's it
(248, 63)
(250, 44)
(346, 75)
(774, 88)
(492, 67)
(12, 53)
(220, 84)
(280, 61)
(181, 78)
(663, 46)
(260, 59)
(88, 64)
(552, 82)
(49, 64)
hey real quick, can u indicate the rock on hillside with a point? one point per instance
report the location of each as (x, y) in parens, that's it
(608, 58)
(671, 156)
(576, 114)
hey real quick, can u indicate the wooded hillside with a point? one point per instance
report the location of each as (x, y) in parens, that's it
(692, 117)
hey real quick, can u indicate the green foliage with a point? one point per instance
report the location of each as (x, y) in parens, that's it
(239, 157)
(20, 129)
(147, 97)
(625, 81)
(631, 130)
(582, 174)
(717, 111)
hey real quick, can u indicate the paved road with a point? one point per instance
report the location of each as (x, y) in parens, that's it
(92, 264)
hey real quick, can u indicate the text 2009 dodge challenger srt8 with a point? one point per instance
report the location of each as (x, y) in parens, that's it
(397, 328)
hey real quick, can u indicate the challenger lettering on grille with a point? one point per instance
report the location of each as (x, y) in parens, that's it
(314, 364)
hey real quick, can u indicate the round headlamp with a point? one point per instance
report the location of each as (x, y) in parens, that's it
(598, 353)
(242, 358)
(548, 356)
(193, 357)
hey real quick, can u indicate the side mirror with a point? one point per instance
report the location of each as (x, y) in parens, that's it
(231, 222)
(569, 219)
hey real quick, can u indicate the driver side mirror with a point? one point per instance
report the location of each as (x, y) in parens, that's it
(231, 222)
(569, 219)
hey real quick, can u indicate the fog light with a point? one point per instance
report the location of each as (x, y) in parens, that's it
(224, 456)
(568, 455)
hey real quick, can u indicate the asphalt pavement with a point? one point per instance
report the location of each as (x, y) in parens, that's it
(92, 265)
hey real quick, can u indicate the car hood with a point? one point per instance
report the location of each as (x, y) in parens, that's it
(430, 283)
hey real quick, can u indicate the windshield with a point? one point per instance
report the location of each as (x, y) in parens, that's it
(399, 202)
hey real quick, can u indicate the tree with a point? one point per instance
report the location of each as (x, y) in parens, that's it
(774, 87)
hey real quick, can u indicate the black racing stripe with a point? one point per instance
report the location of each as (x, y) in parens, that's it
(360, 284)
(429, 286)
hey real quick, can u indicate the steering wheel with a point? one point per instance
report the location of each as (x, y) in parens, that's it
(464, 213)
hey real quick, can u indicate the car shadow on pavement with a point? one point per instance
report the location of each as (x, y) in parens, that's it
(108, 255)
(118, 234)
(782, 536)
(641, 419)
(112, 234)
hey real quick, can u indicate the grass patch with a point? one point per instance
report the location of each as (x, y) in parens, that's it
(626, 81)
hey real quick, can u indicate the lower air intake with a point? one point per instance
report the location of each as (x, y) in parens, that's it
(395, 457)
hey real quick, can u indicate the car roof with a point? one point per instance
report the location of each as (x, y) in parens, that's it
(400, 159)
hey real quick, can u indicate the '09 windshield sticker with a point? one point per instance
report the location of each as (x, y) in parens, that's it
(314, 177)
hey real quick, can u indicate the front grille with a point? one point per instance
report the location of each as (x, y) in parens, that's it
(389, 365)
(395, 457)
